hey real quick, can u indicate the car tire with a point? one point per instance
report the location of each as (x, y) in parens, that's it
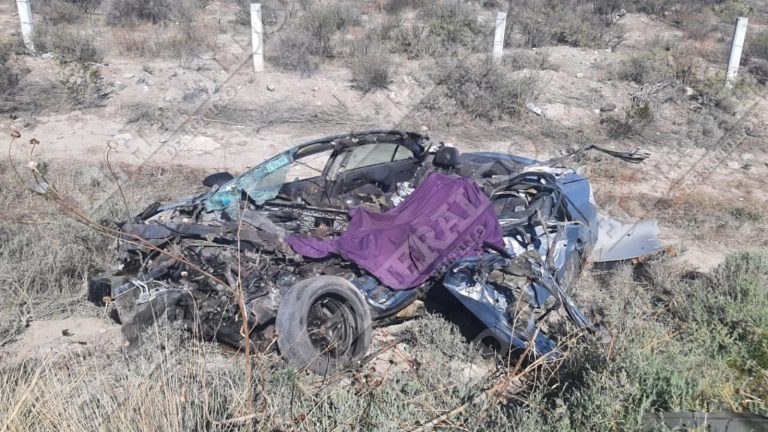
(323, 324)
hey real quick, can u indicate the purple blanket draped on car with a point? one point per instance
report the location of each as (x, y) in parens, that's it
(444, 219)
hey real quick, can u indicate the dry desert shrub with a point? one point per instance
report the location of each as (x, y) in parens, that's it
(483, 89)
(10, 73)
(308, 39)
(371, 66)
(68, 44)
(132, 12)
(536, 23)
(440, 29)
(183, 42)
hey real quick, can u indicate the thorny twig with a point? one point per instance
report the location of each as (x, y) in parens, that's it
(49, 192)
(497, 391)
(111, 145)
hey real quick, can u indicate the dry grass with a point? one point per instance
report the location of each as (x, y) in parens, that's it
(668, 349)
(183, 42)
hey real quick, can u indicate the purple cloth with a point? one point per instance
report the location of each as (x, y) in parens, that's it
(444, 219)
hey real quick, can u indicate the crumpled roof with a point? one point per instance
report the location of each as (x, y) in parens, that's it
(444, 219)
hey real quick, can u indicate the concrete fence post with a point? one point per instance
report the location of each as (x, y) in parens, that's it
(25, 16)
(498, 38)
(257, 37)
(738, 44)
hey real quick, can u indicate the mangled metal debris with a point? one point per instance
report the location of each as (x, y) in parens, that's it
(334, 236)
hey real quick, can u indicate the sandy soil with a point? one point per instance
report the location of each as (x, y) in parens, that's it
(52, 339)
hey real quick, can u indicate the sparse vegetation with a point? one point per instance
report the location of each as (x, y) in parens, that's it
(78, 59)
(132, 12)
(371, 67)
(56, 12)
(440, 30)
(644, 68)
(484, 90)
(632, 122)
(9, 73)
(68, 45)
(537, 23)
(307, 41)
(534, 60)
(758, 44)
(183, 42)
(671, 342)
(398, 6)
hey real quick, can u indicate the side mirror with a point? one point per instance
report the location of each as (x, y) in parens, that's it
(217, 179)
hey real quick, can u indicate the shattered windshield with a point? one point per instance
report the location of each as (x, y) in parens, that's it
(261, 184)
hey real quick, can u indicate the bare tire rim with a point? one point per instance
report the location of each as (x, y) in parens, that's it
(331, 325)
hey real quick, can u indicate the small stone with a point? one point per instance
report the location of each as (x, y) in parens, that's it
(128, 76)
(424, 128)
(47, 56)
(314, 89)
(580, 75)
(608, 107)
(534, 109)
(689, 91)
(270, 87)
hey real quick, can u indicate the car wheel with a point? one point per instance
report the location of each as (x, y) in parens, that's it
(322, 324)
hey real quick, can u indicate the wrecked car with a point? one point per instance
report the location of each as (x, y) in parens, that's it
(319, 244)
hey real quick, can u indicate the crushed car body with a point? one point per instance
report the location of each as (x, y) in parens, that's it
(332, 237)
